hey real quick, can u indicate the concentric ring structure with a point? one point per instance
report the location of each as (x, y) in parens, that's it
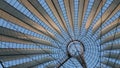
(59, 33)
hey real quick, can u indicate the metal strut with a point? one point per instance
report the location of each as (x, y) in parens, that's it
(63, 62)
(81, 60)
(2, 64)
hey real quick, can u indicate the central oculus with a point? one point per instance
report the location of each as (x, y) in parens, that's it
(75, 48)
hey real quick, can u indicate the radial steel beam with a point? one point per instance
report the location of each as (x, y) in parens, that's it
(114, 47)
(15, 57)
(111, 38)
(57, 6)
(112, 9)
(11, 10)
(33, 63)
(110, 27)
(35, 7)
(56, 13)
(33, 10)
(25, 51)
(81, 12)
(69, 12)
(85, 8)
(41, 10)
(10, 39)
(10, 13)
(97, 11)
(14, 20)
(111, 64)
(113, 56)
(71, 2)
(8, 34)
(93, 12)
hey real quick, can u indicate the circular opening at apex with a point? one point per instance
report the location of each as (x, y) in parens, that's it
(75, 48)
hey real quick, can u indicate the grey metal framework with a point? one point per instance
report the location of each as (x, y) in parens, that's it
(60, 33)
